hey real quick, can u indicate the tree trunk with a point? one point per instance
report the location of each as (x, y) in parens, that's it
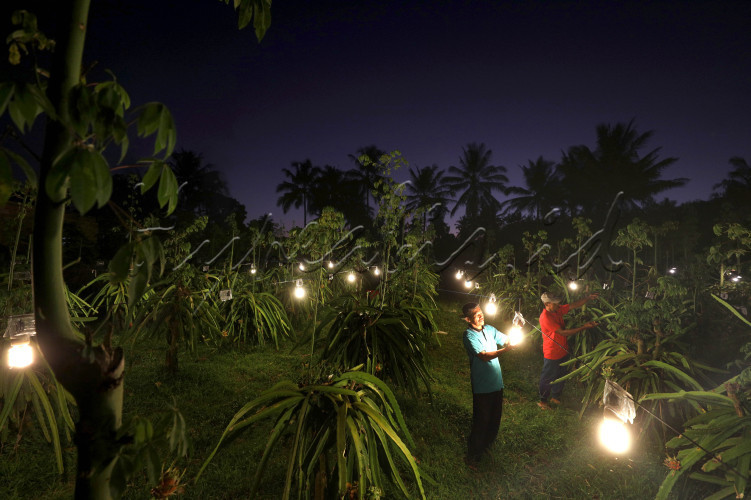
(92, 374)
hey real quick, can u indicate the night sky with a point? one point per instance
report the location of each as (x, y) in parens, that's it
(428, 77)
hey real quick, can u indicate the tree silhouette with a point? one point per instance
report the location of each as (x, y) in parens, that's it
(593, 178)
(476, 179)
(425, 189)
(739, 179)
(200, 184)
(542, 192)
(334, 188)
(366, 174)
(298, 188)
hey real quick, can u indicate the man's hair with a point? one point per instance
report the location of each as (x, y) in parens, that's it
(468, 308)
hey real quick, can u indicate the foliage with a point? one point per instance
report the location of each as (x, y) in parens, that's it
(150, 442)
(35, 390)
(250, 315)
(386, 340)
(346, 436)
(644, 352)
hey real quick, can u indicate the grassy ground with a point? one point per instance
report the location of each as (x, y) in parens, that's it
(538, 454)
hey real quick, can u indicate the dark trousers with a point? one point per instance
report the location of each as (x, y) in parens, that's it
(551, 370)
(486, 419)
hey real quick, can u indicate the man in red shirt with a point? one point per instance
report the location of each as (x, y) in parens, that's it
(555, 345)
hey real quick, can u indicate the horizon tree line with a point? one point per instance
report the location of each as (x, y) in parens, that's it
(584, 182)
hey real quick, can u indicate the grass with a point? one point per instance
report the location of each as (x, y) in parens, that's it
(538, 454)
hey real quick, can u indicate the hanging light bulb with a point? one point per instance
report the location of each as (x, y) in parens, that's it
(301, 266)
(253, 269)
(468, 284)
(20, 355)
(299, 290)
(351, 277)
(572, 285)
(459, 274)
(614, 435)
(673, 270)
(376, 271)
(490, 307)
(20, 329)
(331, 265)
(515, 335)
(619, 409)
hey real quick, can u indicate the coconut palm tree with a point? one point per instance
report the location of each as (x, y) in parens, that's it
(298, 188)
(200, 182)
(738, 181)
(426, 189)
(542, 192)
(366, 174)
(334, 188)
(593, 178)
(476, 179)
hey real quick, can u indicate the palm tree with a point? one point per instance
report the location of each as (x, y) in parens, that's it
(476, 180)
(298, 188)
(333, 188)
(543, 191)
(738, 183)
(200, 183)
(366, 174)
(593, 178)
(426, 188)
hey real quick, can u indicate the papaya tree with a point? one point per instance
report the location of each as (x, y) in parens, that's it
(82, 119)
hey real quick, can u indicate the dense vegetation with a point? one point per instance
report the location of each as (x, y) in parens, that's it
(325, 361)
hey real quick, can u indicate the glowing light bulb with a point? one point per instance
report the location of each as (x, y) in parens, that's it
(614, 435)
(515, 335)
(20, 355)
(572, 285)
(491, 309)
(301, 266)
(331, 265)
(459, 275)
(673, 270)
(468, 284)
(253, 270)
(351, 277)
(376, 271)
(299, 290)
(736, 278)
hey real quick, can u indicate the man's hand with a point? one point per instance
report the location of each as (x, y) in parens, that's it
(589, 325)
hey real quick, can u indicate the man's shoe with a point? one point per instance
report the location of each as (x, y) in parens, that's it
(543, 405)
(555, 401)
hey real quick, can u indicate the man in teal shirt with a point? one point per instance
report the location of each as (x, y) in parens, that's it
(481, 342)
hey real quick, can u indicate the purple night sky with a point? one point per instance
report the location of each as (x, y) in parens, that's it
(526, 78)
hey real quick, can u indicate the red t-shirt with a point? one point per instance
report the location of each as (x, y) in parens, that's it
(554, 346)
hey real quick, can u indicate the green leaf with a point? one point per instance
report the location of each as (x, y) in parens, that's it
(51, 418)
(731, 309)
(152, 175)
(120, 263)
(57, 180)
(155, 117)
(167, 190)
(687, 379)
(31, 175)
(6, 179)
(137, 285)
(83, 190)
(6, 94)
